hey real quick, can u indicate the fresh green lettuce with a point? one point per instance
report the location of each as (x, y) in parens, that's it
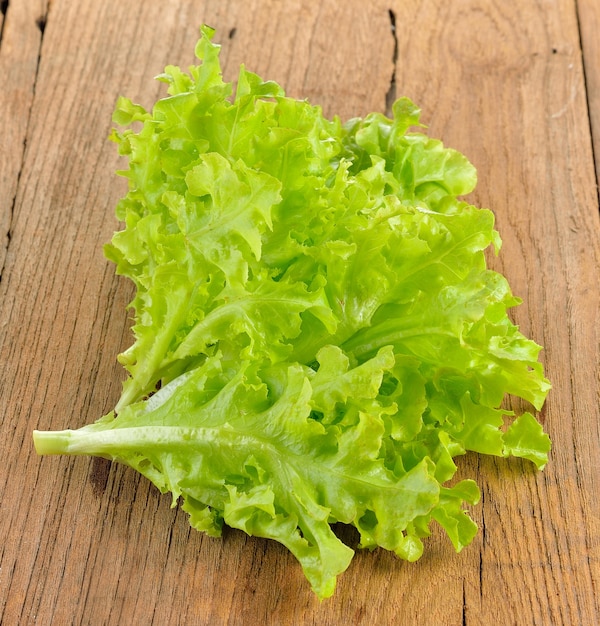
(317, 334)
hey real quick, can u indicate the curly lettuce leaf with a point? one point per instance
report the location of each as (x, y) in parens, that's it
(317, 335)
(264, 451)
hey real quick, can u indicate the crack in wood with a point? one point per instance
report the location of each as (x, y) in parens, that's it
(390, 96)
(483, 536)
(3, 12)
(41, 22)
(11, 213)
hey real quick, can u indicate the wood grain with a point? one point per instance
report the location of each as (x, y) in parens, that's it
(516, 75)
(589, 26)
(513, 87)
(20, 37)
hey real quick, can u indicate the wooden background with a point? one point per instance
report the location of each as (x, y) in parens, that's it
(514, 85)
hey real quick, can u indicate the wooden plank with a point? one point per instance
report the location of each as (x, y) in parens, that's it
(588, 13)
(20, 40)
(79, 526)
(512, 97)
(93, 543)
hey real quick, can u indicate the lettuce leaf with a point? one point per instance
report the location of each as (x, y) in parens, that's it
(316, 333)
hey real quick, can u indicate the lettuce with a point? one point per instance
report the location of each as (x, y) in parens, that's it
(317, 334)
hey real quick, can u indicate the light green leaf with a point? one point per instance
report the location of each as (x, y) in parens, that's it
(316, 333)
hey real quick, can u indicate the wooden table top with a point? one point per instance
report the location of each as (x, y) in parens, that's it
(514, 86)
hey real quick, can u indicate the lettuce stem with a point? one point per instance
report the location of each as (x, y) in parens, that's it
(52, 441)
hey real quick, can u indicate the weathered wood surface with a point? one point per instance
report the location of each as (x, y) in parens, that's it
(515, 86)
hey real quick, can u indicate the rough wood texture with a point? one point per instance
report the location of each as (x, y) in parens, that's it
(509, 85)
(589, 22)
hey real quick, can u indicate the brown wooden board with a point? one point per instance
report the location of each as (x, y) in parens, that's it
(509, 85)
(589, 25)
